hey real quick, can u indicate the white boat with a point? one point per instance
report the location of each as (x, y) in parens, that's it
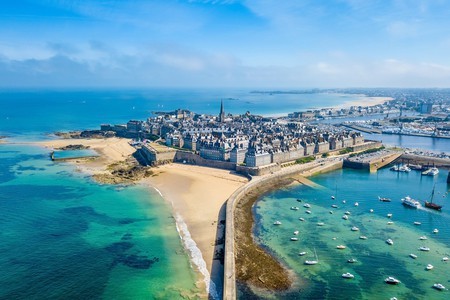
(320, 224)
(334, 206)
(389, 215)
(301, 219)
(435, 230)
(445, 258)
(423, 248)
(294, 239)
(429, 267)
(348, 275)
(390, 222)
(294, 208)
(408, 201)
(340, 247)
(391, 280)
(438, 286)
(371, 210)
(343, 201)
(306, 205)
(422, 238)
(356, 203)
(389, 242)
(417, 223)
(347, 213)
(354, 228)
(296, 232)
(277, 223)
(345, 217)
(363, 237)
(351, 260)
(308, 212)
(413, 256)
(333, 197)
(433, 171)
(314, 261)
(302, 253)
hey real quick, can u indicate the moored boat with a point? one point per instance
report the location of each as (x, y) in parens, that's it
(340, 247)
(302, 253)
(429, 267)
(423, 238)
(313, 261)
(348, 275)
(345, 217)
(384, 199)
(417, 223)
(306, 205)
(308, 211)
(277, 223)
(389, 242)
(354, 228)
(363, 237)
(391, 280)
(438, 286)
(301, 219)
(294, 239)
(435, 230)
(423, 248)
(294, 208)
(413, 256)
(351, 260)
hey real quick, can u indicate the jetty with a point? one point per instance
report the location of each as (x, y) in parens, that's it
(372, 161)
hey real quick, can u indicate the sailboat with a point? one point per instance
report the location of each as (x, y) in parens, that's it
(432, 205)
(313, 262)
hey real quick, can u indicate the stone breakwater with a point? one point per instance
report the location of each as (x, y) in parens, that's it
(239, 264)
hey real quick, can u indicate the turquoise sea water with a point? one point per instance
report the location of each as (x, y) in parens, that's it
(65, 237)
(68, 154)
(376, 260)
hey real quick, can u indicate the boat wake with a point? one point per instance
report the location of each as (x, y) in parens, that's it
(194, 253)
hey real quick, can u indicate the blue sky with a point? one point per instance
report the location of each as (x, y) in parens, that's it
(225, 43)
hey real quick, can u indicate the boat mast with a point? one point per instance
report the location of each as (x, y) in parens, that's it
(432, 194)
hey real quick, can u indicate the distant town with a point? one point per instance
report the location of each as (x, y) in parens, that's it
(252, 142)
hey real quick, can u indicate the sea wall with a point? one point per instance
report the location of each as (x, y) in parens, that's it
(426, 160)
(230, 250)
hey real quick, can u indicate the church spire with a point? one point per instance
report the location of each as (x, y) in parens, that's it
(222, 112)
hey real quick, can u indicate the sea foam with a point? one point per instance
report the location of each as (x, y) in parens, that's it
(194, 253)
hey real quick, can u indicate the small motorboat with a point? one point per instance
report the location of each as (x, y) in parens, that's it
(301, 219)
(363, 237)
(348, 275)
(384, 199)
(389, 215)
(445, 258)
(277, 223)
(340, 247)
(413, 256)
(296, 232)
(417, 223)
(356, 203)
(354, 228)
(294, 239)
(435, 230)
(390, 223)
(371, 210)
(389, 242)
(299, 200)
(438, 286)
(306, 205)
(302, 253)
(334, 206)
(423, 248)
(294, 208)
(347, 213)
(308, 212)
(391, 280)
(320, 224)
(331, 212)
(352, 260)
(345, 217)
(429, 267)
(423, 238)
(333, 197)
(343, 201)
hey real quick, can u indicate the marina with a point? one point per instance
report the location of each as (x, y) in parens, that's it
(369, 252)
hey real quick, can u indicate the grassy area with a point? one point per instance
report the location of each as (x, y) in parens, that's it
(367, 151)
(305, 160)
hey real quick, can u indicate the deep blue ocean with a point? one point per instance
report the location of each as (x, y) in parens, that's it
(65, 237)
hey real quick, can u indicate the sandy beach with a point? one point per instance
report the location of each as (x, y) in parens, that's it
(111, 150)
(197, 194)
(364, 101)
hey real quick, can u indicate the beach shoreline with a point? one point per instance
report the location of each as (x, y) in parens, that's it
(197, 196)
